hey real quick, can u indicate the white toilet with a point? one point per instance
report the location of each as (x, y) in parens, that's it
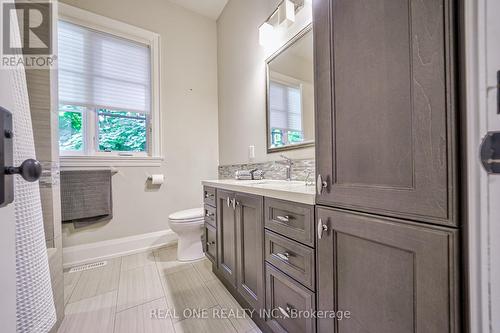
(188, 225)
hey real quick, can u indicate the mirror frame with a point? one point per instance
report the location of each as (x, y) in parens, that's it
(282, 49)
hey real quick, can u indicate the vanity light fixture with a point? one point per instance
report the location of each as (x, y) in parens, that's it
(286, 13)
(266, 32)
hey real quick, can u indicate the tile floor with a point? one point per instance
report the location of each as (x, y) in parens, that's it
(122, 296)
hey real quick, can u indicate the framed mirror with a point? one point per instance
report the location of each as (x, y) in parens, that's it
(290, 94)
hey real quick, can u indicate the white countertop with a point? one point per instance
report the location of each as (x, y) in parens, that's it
(295, 191)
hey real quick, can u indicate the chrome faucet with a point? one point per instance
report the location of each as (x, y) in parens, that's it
(288, 165)
(309, 181)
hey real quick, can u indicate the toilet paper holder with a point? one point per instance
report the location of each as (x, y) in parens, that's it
(150, 178)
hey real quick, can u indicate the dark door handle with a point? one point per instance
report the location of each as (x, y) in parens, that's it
(6, 157)
(490, 152)
(30, 170)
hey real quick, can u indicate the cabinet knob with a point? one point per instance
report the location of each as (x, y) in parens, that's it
(321, 228)
(320, 184)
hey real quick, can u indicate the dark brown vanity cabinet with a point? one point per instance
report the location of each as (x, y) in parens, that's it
(392, 277)
(386, 163)
(290, 266)
(226, 236)
(209, 196)
(290, 219)
(249, 249)
(288, 301)
(385, 107)
(210, 227)
(240, 253)
(210, 246)
(292, 258)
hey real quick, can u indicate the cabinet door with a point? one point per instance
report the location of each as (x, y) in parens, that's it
(250, 244)
(210, 246)
(385, 107)
(226, 235)
(391, 277)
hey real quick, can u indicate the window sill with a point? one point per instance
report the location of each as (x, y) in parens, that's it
(110, 161)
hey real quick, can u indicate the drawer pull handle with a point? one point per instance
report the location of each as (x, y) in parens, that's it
(212, 243)
(234, 203)
(208, 195)
(228, 202)
(208, 214)
(283, 256)
(284, 218)
(286, 312)
(321, 227)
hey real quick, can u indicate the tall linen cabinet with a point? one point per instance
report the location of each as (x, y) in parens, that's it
(387, 215)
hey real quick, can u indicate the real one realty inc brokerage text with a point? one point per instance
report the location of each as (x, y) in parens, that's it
(222, 313)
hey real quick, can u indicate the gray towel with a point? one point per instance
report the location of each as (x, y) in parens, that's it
(86, 196)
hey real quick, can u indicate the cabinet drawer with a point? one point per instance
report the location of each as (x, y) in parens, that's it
(284, 298)
(290, 219)
(209, 195)
(210, 246)
(291, 257)
(209, 213)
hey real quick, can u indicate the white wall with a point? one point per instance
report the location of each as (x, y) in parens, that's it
(189, 120)
(242, 82)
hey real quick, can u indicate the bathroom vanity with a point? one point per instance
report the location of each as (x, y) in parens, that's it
(278, 253)
(260, 237)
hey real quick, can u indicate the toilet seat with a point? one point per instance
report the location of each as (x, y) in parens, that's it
(187, 216)
(199, 221)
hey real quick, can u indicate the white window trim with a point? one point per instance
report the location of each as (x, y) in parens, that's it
(101, 23)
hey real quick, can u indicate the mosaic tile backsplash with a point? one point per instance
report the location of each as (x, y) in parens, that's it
(273, 170)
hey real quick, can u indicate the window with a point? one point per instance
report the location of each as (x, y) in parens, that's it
(121, 131)
(71, 128)
(285, 113)
(108, 88)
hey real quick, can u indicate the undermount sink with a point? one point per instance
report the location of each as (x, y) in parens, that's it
(282, 183)
(271, 183)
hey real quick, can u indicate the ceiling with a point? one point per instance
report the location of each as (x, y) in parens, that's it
(208, 8)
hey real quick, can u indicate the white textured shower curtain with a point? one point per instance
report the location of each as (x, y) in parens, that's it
(35, 311)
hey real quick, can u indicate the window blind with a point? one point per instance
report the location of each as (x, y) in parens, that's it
(285, 106)
(100, 70)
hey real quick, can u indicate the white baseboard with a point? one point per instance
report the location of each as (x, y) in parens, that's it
(86, 253)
